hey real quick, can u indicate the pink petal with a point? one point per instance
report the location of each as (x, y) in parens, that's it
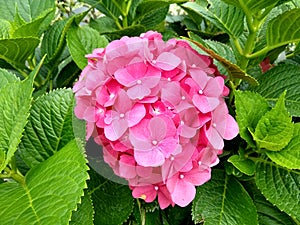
(123, 103)
(167, 146)
(214, 87)
(215, 138)
(157, 128)
(151, 158)
(183, 193)
(148, 193)
(138, 92)
(232, 128)
(205, 104)
(167, 61)
(116, 129)
(200, 77)
(197, 177)
(135, 115)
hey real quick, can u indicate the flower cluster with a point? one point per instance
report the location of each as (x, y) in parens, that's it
(158, 110)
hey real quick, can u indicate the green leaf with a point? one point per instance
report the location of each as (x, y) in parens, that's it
(222, 201)
(6, 77)
(250, 107)
(279, 79)
(234, 70)
(244, 165)
(113, 202)
(28, 9)
(16, 51)
(15, 102)
(284, 29)
(50, 191)
(5, 28)
(49, 126)
(280, 186)
(275, 129)
(82, 41)
(227, 18)
(32, 29)
(84, 214)
(253, 6)
(268, 214)
(152, 18)
(289, 156)
(54, 40)
(104, 25)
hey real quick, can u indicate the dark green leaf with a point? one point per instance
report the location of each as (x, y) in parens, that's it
(84, 214)
(280, 186)
(49, 127)
(250, 107)
(227, 18)
(284, 29)
(50, 191)
(223, 201)
(113, 203)
(279, 79)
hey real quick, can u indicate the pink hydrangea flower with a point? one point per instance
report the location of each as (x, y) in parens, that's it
(158, 110)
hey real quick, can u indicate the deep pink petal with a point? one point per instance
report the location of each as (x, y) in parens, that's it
(123, 103)
(197, 177)
(148, 193)
(138, 92)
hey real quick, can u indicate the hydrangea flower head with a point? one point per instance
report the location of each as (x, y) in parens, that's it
(158, 110)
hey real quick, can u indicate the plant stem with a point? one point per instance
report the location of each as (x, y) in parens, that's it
(16, 175)
(142, 212)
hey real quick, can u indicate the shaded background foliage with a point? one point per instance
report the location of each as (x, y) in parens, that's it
(44, 177)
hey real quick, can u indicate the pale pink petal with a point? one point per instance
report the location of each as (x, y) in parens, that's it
(214, 138)
(124, 78)
(197, 177)
(200, 77)
(123, 103)
(138, 92)
(151, 158)
(167, 146)
(167, 61)
(116, 129)
(214, 87)
(232, 128)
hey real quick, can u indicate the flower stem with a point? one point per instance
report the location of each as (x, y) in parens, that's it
(142, 212)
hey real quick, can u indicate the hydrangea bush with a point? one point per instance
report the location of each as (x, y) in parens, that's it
(158, 109)
(122, 112)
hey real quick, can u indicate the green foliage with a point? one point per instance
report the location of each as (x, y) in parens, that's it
(43, 171)
(223, 200)
(51, 201)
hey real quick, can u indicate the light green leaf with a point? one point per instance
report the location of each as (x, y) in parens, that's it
(84, 214)
(15, 102)
(275, 129)
(289, 156)
(280, 186)
(113, 202)
(6, 77)
(50, 191)
(284, 29)
(104, 25)
(32, 29)
(227, 18)
(16, 51)
(49, 126)
(279, 79)
(28, 9)
(253, 6)
(5, 28)
(244, 165)
(82, 41)
(250, 107)
(222, 201)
